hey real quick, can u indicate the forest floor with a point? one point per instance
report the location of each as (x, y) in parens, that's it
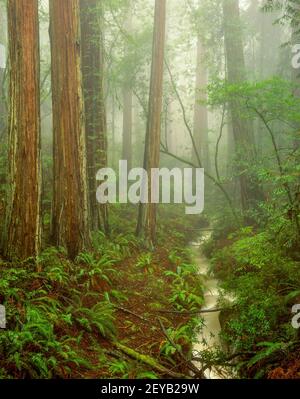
(114, 312)
(147, 289)
(144, 314)
(109, 314)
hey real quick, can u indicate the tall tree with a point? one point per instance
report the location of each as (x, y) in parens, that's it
(113, 129)
(295, 39)
(22, 236)
(70, 206)
(2, 71)
(147, 212)
(243, 132)
(95, 113)
(127, 103)
(200, 109)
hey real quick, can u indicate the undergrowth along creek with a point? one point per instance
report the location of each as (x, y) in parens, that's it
(122, 311)
(118, 311)
(259, 271)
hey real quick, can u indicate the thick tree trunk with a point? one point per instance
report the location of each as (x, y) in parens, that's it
(22, 235)
(243, 132)
(70, 207)
(95, 113)
(147, 214)
(200, 111)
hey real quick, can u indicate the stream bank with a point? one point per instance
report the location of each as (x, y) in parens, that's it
(208, 338)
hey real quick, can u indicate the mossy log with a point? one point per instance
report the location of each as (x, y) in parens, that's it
(148, 360)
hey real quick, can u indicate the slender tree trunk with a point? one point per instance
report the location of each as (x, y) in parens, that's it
(3, 111)
(230, 148)
(147, 214)
(127, 106)
(296, 78)
(95, 114)
(113, 130)
(200, 111)
(270, 41)
(22, 236)
(242, 129)
(166, 121)
(3, 114)
(70, 206)
(127, 126)
(170, 127)
(139, 126)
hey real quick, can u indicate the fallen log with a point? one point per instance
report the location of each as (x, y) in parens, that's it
(149, 361)
(186, 313)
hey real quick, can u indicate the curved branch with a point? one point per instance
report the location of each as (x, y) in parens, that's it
(184, 115)
(217, 182)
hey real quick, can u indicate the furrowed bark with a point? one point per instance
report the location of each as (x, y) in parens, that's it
(147, 213)
(22, 236)
(243, 131)
(70, 206)
(95, 113)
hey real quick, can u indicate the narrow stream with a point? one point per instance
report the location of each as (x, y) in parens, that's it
(209, 336)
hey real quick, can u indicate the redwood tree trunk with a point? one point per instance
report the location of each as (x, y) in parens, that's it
(147, 214)
(127, 126)
(127, 105)
(113, 130)
(22, 235)
(243, 132)
(70, 207)
(95, 113)
(3, 114)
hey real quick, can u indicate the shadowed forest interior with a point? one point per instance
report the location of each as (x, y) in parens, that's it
(143, 289)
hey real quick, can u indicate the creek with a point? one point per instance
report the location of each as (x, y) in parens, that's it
(209, 337)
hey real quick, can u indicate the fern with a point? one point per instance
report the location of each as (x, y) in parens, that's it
(99, 316)
(269, 351)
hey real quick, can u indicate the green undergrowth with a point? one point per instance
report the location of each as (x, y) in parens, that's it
(61, 314)
(261, 276)
(46, 306)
